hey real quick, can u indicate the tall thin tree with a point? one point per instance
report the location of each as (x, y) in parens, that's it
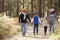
(9, 7)
(40, 7)
(1, 6)
(17, 7)
(31, 7)
(23, 3)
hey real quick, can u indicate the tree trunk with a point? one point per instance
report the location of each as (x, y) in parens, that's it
(43, 8)
(32, 8)
(40, 8)
(1, 6)
(17, 7)
(23, 3)
(51, 2)
(9, 7)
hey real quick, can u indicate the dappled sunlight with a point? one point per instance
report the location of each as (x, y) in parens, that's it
(11, 26)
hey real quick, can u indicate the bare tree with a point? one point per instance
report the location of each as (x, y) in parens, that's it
(40, 7)
(1, 6)
(23, 3)
(17, 7)
(9, 7)
(31, 7)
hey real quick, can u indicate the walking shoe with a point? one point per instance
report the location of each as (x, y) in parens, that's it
(34, 34)
(37, 33)
(23, 34)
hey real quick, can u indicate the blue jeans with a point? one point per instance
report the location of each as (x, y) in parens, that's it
(23, 28)
(52, 27)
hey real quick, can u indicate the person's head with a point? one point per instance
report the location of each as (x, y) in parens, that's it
(24, 10)
(35, 13)
(52, 12)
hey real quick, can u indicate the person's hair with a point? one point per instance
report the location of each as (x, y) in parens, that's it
(24, 10)
(35, 13)
(52, 12)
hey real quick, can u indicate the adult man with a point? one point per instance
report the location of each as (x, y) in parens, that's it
(51, 19)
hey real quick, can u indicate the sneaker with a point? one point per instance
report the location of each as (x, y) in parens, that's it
(45, 34)
(23, 34)
(34, 34)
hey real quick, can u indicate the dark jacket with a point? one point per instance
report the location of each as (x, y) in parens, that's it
(21, 18)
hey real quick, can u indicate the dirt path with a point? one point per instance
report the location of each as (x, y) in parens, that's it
(30, 36)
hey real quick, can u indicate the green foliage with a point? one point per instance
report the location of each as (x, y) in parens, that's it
(27, 5)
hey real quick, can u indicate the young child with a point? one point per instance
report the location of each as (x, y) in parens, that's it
(45, 24)
(36, 22)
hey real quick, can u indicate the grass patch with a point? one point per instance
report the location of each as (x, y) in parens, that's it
(7, 28)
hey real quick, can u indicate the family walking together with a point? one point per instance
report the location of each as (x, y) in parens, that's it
(36, 20)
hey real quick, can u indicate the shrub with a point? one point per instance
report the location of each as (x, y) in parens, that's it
(6, 27)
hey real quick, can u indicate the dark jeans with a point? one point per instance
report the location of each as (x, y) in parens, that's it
(35, 28)
(45, 30)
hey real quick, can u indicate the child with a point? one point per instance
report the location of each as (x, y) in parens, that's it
(45, 24)
(35, 21)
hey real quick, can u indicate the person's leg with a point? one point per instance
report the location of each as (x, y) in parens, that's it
(50, 25)
(45, 30)
(37, 28)
(22, 28)
(53, 28)
(25, 28)
(34, 29)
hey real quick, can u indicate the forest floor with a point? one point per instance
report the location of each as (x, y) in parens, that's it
(30, 36)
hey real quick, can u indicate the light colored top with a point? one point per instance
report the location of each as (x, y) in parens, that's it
(45, 22)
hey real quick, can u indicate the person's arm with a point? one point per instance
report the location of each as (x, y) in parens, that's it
(56, 18)
(28, 18)
(32, 20)
(47, 18)
(19, 18)
(39, 20)
(20, 13)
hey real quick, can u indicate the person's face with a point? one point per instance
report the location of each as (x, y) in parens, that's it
(24, 12)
